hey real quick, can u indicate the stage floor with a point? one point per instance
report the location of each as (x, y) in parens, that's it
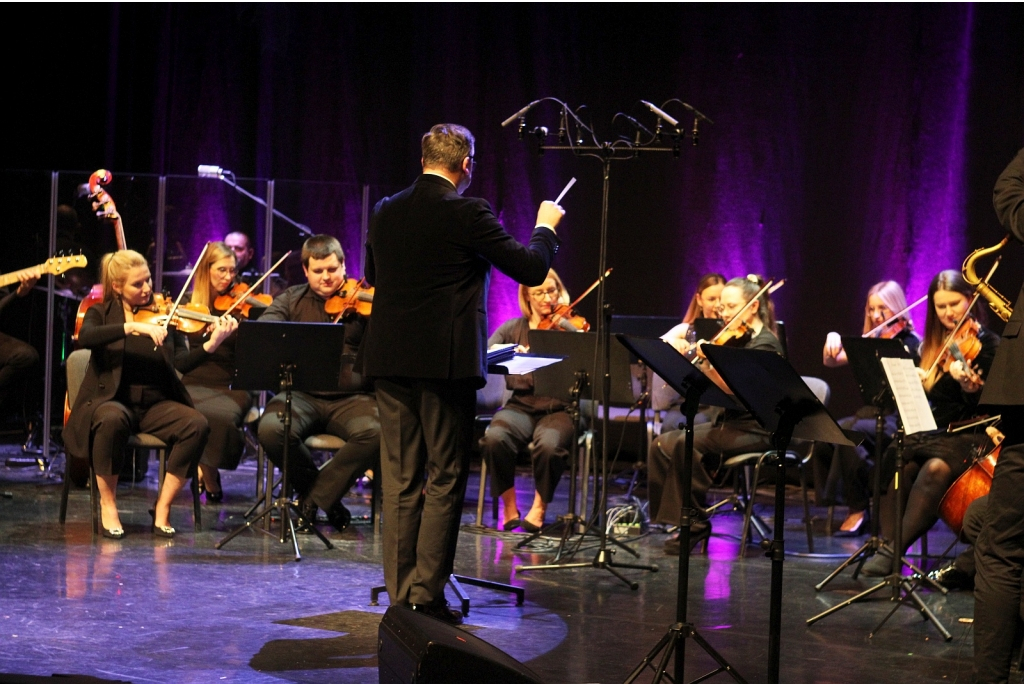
(145, 609)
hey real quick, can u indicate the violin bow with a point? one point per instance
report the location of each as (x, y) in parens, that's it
(963, 319)
(184, 288)
(241, 298)
(743, 310)
(591, 288)
(894, 317)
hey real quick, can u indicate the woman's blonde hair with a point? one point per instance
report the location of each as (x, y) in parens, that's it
(892, 296)
(526, 307)
(202, 291)
(114, 268)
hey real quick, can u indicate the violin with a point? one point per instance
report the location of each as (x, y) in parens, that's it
(567, 313)
(224, 302)
(354, 297)
(188, 318)
(962, 345)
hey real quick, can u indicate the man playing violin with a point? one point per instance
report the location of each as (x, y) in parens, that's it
(1000, 547)
(738, 431)
(541, 422)
(350, 413)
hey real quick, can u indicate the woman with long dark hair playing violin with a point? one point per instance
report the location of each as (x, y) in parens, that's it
(738, 431)
(131, 386)
(208, 373)
(850, 464)
(541, 422)
(953, 364)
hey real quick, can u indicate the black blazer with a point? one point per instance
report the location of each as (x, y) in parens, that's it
(103, 333)
(429, 253)
(1005, 382)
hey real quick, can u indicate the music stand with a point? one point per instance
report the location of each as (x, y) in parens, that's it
(695, 388)
(287, 356)
(558, 381)
(863, 355)
(775, 394)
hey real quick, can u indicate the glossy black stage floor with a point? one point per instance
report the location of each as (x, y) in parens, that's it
(146, 609)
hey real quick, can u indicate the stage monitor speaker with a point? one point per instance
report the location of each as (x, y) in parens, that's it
(414, 648)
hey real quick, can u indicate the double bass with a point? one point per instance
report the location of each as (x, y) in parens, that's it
(105, 208)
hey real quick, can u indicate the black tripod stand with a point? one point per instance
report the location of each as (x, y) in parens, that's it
(695, 388)
(268, 353)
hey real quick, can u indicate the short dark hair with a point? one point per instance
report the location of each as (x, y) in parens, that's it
(321, 247)
(446, 145)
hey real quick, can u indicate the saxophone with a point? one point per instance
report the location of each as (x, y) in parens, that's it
(999, 304)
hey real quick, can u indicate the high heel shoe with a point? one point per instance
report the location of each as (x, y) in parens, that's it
(530, 527)
(161, 531)
(514, 523)
(861, 529)
(113, 533)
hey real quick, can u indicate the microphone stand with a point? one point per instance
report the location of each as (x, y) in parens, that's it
(605, 152)
(228, 177)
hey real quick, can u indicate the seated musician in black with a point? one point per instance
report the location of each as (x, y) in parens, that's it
(737, 433)
(932, 460)
(540, 422)
(850, 464)
(17, 358)
(351, 413)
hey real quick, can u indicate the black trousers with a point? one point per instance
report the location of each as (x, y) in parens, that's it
(183, 429)
(427, 435)
(549, 437)
(711, 446)
(999, 554)
(17, 359)
(353, 418)
(224, 409)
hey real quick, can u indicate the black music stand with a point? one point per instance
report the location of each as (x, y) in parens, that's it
(863, 355)
(581, 352)
(287, 356)
(695, 388)
(771, 389)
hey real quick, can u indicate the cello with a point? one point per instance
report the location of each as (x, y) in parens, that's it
(105, 208)
(973, 483)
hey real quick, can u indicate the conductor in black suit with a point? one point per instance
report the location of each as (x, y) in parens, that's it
(999, 552)
(429, 253)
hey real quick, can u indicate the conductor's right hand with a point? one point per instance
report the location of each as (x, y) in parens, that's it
(549, 214)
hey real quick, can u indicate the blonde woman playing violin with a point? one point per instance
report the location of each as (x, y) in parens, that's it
(738, 431)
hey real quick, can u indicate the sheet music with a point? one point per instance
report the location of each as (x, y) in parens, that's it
(911, 401)
(522, 363)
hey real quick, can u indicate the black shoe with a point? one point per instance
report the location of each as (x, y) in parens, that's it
(513, 523)
(877, 566)
(339, 516)
(307, 512)
(113, 533)
(952, 578)
(161, 531)
(530, 527)
(442, 612)
(698, 534)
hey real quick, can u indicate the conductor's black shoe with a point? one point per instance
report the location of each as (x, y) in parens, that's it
(698, 534)
(952, 578)
(441, 611)
(339, 516)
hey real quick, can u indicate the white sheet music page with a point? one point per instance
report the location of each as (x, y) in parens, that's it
(911, 401)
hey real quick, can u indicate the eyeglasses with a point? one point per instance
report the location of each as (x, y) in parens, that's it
(544, 294)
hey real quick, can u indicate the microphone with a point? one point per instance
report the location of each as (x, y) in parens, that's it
(661, 114)
(210, 171)
(518, 114)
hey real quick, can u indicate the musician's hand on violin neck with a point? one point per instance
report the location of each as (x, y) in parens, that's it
(220, 330)
(156, 333)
